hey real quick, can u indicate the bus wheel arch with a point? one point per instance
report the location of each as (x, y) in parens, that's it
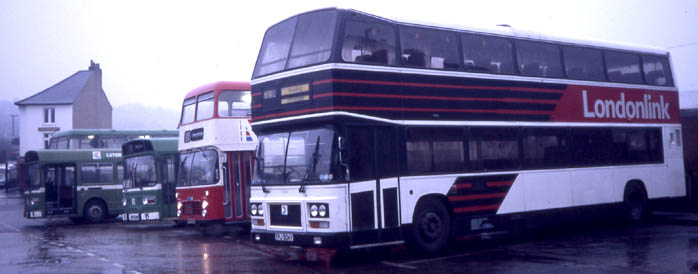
(635, 202)
(95, 210)
(432, 224)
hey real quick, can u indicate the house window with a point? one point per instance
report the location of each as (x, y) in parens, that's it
(49, 115)
(47, 140)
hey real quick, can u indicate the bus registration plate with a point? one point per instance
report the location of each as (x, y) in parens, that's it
(284, 237)
(133, 217)
(191, 221)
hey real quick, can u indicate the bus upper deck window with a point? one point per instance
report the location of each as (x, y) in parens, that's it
(429, 48)
(369, 43)
(204, 108)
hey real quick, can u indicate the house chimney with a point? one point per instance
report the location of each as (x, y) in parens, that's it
(94, 69)
(93, 65)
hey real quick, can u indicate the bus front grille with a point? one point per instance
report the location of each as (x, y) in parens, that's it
(191, 208)
(285, 214)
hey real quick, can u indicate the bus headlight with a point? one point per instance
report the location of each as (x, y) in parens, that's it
(253, 209)
(176, 195)
(124, 201)
(203, 213)
(318, 210)
(179, 205)
(322, 210)
(256, 209)
(313, 210)
(204, 204)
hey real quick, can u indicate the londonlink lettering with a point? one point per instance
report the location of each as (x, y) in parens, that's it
(622, 109)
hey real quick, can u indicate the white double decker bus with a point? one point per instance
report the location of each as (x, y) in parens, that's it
(378, 132)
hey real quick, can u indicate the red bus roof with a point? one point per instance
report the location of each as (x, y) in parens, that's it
(220, 85)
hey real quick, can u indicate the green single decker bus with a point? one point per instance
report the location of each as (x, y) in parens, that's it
(150, 179)
(102, 138)
(84, 185)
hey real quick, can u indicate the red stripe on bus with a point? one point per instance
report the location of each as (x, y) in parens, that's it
(388, 83)
(442, 98)
(348, 108)
(497, 184)
(476, 197)
(475, 208)
(256, 94)
(466, 185)
(257, 106)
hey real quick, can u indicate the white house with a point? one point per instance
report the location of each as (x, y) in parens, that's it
(77, 102)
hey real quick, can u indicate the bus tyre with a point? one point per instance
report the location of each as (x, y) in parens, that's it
(94, 212)
(635, 204)
(431, 227)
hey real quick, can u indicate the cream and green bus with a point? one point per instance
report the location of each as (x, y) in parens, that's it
(84, 185)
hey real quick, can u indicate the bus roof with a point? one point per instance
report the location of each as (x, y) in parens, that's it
(72, 155)
(106, 132)
(510, 31)
(158, 145)
(229, 85)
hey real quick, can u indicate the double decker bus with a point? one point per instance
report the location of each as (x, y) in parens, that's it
(150, 178)
(84, 185)
(102, 138)
(379, 132)
(216, 147)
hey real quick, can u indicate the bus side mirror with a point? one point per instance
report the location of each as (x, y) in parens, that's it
(342, 145)
(343, 156)
(217, 175)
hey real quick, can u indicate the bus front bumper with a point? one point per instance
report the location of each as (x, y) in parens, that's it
(340, 240)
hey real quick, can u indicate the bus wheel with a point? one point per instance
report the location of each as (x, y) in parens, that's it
(94, 211)
(431, 226)
(635, 204)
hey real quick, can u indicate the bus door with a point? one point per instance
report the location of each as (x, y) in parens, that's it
(60, 189)
(374, 203)
(237, 184)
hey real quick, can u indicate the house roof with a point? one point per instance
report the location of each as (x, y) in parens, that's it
(63, 93)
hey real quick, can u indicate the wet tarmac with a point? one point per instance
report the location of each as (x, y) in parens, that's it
(669, 244)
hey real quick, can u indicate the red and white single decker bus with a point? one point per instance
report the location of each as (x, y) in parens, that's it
(377, 132)
(216, 146)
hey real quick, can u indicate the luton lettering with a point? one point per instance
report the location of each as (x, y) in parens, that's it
(622, 109)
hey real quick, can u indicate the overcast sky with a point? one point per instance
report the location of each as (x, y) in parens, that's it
(154, 52)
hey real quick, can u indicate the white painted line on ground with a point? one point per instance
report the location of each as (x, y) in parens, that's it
(118, 265)
(90, 254)
(399, 265)
(228, 237)
(11, 227)
(136, 272)
(103, 259)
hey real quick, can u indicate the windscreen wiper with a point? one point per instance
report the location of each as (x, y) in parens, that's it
(310, 169)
